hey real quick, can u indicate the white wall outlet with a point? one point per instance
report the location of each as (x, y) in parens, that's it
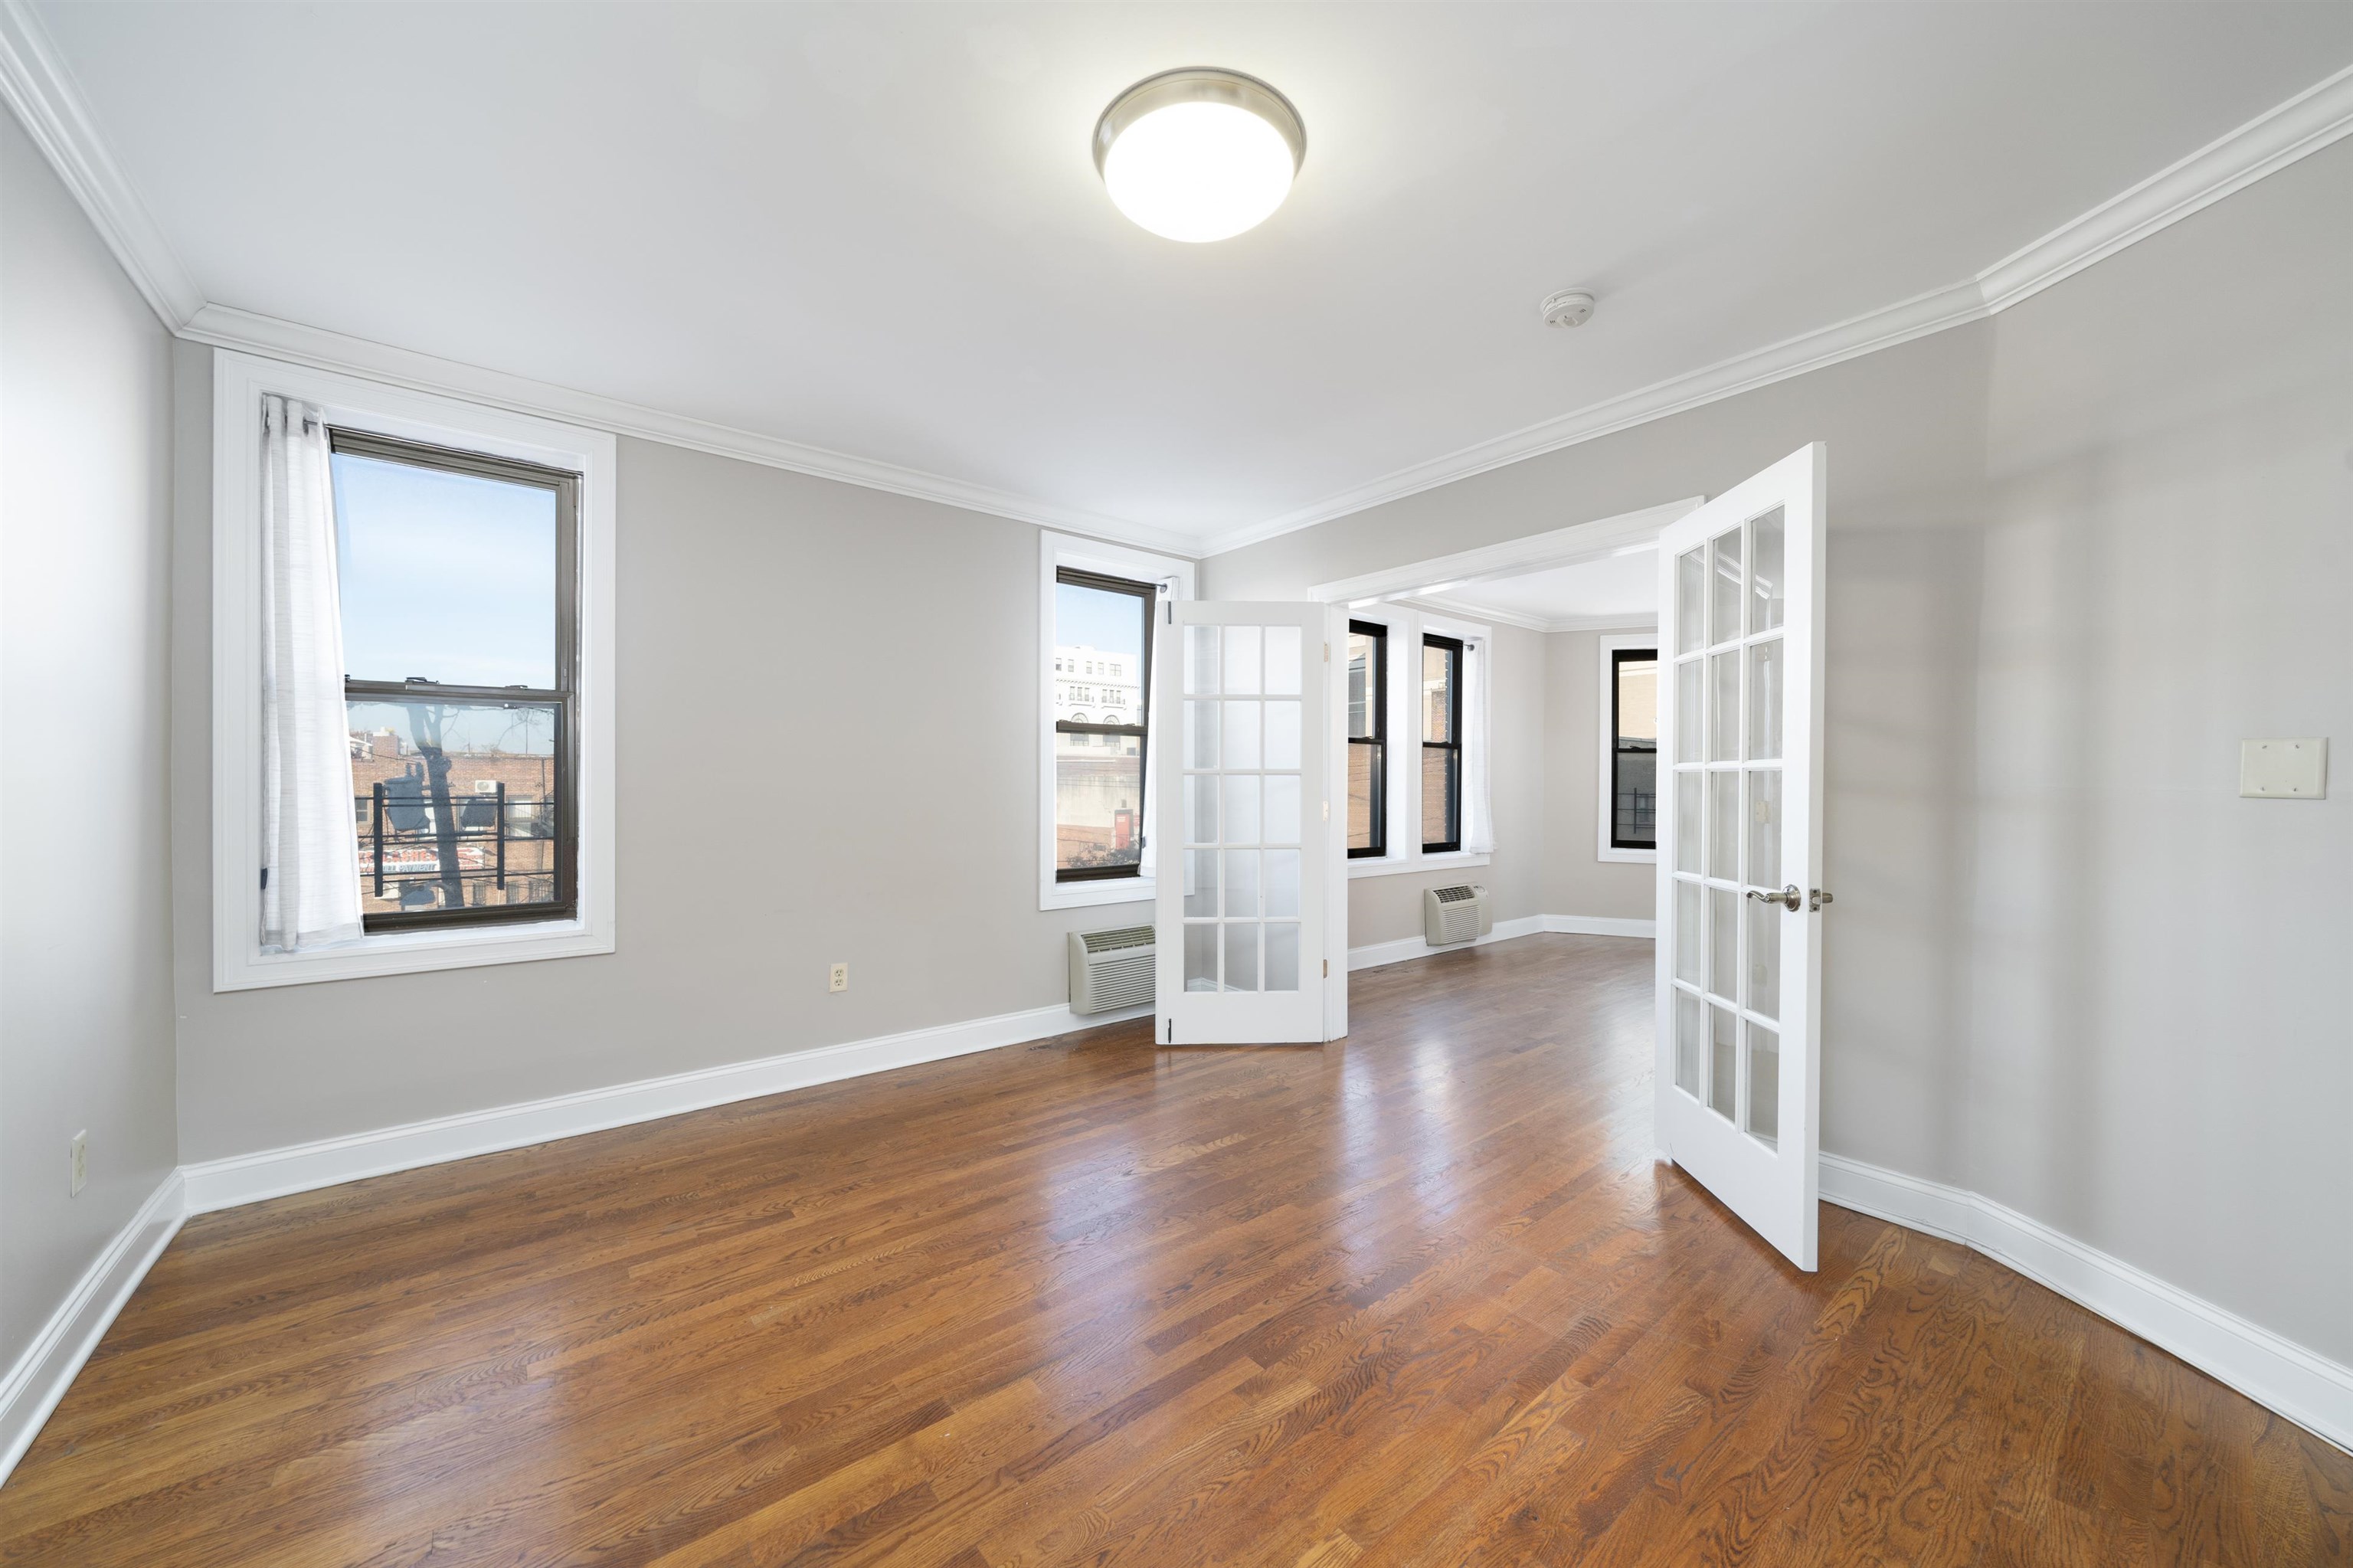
(837, 978)
(2283, 770)
(80, 1163)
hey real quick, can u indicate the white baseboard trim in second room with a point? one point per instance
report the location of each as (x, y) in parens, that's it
(2309, 1389)
(275, 1173)
(47, 1368)
(1602, 925)
(1374, 954)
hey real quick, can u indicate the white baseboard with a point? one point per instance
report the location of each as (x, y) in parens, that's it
(273, 1173)
(2307, 1388)
(1602, 925)
(1374, 954)
(47, 1368)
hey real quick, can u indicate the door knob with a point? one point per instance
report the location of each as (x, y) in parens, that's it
(1788, 898)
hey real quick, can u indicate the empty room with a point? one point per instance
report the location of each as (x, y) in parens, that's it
(1331, 786)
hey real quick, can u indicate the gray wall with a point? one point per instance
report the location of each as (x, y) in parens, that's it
(851, 675)
(85, 963)
(2077, 553)
(1576, 880)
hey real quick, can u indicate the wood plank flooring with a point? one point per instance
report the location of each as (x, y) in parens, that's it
(1417, 1298)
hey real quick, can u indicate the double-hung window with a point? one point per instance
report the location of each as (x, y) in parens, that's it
(1441, 745)
(1633, 748)
(1103, 625)
(441, 795)
(459, 591)
(1368, 763)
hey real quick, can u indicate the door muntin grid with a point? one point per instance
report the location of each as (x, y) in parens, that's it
(1731, 682)
(1245, 811)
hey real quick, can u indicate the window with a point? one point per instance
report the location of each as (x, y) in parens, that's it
(459, 591)
(1098, 605)
(1633, 748)
(474, 570)
(1441, 745)
(1368, 763)
(1100, 760)
(1626, 724)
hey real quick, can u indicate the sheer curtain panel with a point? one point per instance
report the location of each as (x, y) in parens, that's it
(310, 842)
(1478, 818)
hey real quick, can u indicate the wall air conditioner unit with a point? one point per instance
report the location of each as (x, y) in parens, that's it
(1457, 914)
(1111, 969)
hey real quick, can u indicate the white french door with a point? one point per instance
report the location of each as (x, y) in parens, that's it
(1244, 824)
(1740, 814)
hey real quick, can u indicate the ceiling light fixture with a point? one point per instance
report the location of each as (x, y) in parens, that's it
(1200, 154)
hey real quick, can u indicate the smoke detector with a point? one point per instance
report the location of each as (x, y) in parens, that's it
(1569, 308)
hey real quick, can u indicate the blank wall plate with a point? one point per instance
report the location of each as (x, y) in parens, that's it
(2283, 770)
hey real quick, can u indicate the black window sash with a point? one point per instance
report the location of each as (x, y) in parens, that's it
(1149, 593)
(1618, 659)
(1451, 745)
(563, 698)
(1377, 698)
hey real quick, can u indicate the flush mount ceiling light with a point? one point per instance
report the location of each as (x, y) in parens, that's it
(1200, 154)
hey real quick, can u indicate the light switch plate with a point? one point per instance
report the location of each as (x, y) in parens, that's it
(2283, 770)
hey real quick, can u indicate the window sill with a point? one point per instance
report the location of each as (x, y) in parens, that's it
(415, 952)
(1631, 856)
(1085, 895)
(1393, 865)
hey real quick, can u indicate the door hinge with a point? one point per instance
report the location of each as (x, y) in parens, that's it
(1328, 969)
(1327, 652)
(1327, 811)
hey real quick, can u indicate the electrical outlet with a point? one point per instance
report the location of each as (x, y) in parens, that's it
(839, 979)
(81, 1162)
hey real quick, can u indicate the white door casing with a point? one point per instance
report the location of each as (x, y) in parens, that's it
(1740, 847)
(1245, 824)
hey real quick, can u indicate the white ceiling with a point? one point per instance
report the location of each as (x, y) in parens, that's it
(878, 230)
(1621, 590)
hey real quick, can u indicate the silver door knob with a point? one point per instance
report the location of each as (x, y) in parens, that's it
(1788, 898)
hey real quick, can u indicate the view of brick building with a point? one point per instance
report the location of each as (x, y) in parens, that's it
(496, 846)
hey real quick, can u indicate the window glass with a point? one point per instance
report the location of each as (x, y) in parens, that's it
(451, 573)
(1367, 739)
(1634, 749)
(1441, 745)
(1100, 629)
(444, 574)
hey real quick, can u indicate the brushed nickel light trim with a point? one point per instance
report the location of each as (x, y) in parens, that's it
(1202, 84)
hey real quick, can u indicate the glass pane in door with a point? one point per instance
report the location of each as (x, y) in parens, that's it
(1691, 711)
(1765, 956)
(1723, 942)
(1723, 704)
(1201, 660)
(1241, 660)
(1724, 587)
(1765, 827)
(1241, 954)
(1767, 593)
(1690, 603)
(1690, 1041)
(1282, 946)
(1688, 950)
(1724, 1052)
(1724, 825)
(1687, 819)
(1764, 1084)
(1764, 667)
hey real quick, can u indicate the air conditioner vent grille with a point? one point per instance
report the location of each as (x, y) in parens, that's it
(1455, 914)
(1457, 894)
(1112, 941)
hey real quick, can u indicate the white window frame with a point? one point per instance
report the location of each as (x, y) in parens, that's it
(1406, 624)
(1613, 642)
(1056, 551)
(240, 382)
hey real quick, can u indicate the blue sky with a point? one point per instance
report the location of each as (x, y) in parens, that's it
(1093, 618)
(445, 576)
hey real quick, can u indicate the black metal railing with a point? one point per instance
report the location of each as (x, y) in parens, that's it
(406, 843)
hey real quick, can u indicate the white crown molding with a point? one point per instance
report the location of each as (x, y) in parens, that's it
(247, 331)
(2272, 139)
(2276, 1373)
(35, 83)
(1625, 621)
(48, 1366)
(38, 86)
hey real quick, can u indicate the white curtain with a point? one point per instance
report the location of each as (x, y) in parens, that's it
(310, 844)
(1160, 646)
(1478, 821)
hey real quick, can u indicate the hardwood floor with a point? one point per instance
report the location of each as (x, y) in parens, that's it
(1420, 1297)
